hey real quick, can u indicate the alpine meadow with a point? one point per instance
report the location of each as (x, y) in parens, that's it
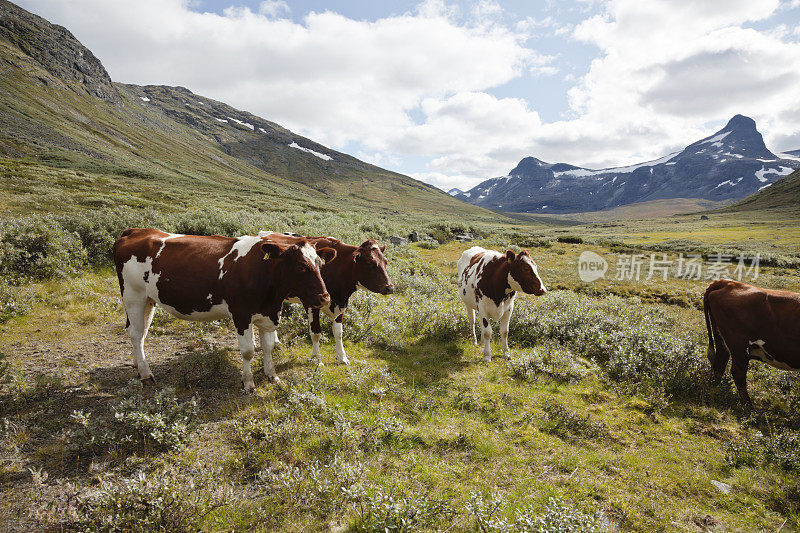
(607, 414)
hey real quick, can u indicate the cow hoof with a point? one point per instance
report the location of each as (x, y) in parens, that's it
(487, 359)
(319, 364)
(507, 355)
(249, 388)
(343, 361)
(149, 380)
(274, 379)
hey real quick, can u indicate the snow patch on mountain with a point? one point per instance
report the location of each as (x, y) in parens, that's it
(326, 157)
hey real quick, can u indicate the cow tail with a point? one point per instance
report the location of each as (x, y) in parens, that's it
(715, 340)
(709, 324)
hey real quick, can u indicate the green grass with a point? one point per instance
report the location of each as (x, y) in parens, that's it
(421, 419)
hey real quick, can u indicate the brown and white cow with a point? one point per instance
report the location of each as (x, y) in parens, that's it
(353, 268)
(208, 278)
(488, 282)
(746, 322)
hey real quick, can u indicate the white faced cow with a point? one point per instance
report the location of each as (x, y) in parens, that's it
(488, 282)
(353, 267)
(208, 278)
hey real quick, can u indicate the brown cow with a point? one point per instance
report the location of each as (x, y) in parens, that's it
(488, 282)
(208, 278)
(353, 267)
(746, 322)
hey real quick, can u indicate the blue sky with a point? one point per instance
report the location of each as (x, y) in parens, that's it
(454, 92)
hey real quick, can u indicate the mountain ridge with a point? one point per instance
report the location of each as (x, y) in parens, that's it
(728, 165)
(59, 106)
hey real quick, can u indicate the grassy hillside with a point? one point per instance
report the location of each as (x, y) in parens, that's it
(54, 114)
(783, 193)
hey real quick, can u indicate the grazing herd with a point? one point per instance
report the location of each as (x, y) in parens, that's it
(248, 278)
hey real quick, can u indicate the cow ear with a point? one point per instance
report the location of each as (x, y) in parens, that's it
(356, 255)
(326, 254)
(382, 248)
(510, 255)
(271, 250)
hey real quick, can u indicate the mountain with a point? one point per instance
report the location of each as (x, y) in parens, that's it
(792, 153)
(728, 165)
(60, 108)
(455, 191)
(785, 192)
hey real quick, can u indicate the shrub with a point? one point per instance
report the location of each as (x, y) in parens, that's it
(175, 499)
(38, 247)
(570, 239)
(136, 423)
(635, 343)
(555, 362)
(14, 301)
(558, 517)
(384, 512)
(564, 423)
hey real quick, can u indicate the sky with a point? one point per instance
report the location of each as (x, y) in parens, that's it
(455, 92)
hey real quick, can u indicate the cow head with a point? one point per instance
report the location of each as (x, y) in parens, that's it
(370, 267)
(523, 275)
(297, 269)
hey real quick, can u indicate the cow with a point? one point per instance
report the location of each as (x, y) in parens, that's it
(746, 322)
(353, 268)
(201, 278)
(488, 282)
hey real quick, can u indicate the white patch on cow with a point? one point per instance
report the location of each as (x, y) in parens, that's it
(513, 285)
(310, 253)
(267, 329)
(165, 239)
(535, 268)
(341, 355)
(241, 248)
(756, 349)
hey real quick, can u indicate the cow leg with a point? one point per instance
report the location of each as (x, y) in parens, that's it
(341, 355)
(275, 339)
(247, 347)
(315, 329)
(739, 366)
(266, 331)
(471, 320)
(140, 315)
(504, 321)
(486, 336)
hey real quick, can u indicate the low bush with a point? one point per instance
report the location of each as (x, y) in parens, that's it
(383, 512)
(38, 247)
(135, 423)
(561, 421)
(556, 362)
(174, 499)
(570, 239)
(557, 517)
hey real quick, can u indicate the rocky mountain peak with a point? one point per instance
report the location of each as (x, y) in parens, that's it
(56, 50)
(740, 123)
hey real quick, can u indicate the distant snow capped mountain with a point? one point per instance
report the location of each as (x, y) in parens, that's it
(455, 191)
(730, 164)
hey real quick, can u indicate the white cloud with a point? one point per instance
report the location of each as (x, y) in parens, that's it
(416, 86)
(273, 8)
